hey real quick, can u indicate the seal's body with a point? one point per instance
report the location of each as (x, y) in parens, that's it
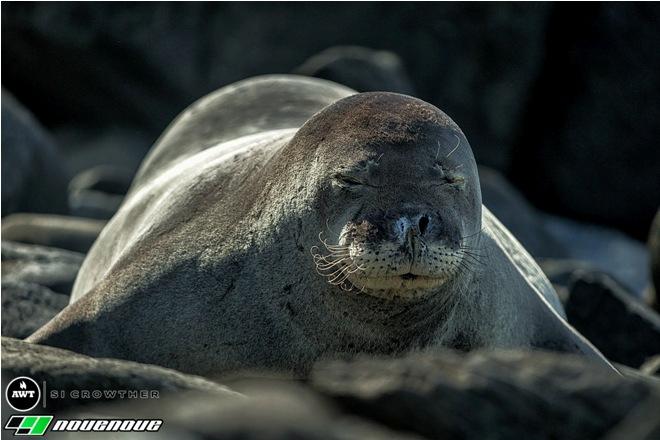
(282, 219)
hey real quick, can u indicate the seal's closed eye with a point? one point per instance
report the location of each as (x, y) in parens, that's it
(347, 181)
(448, 176)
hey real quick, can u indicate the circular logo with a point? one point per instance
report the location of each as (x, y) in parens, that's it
(23, 393)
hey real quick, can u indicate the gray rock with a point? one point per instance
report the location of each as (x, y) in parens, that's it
(642, 423)
(94, 204)
(281, 411)
(485, 395)
(518, 215)
(33, 175)
(651, 366)
(63, 370)
(477, 62)
(104, 178)
(623, 328)
(359, 68)
(70, 233)
(605, 249)
(28, 306)
(49, 267)
(588, 149)
(654, 251)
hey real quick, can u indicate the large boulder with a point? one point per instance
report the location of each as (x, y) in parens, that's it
(70, 233)
(28, 306)
(33, 175)
(269, 412)
(477, 62)
(654, 252)
(54, 268)
(360, 68)
(589, 144)
(494, 395)
(66, 371)
(622, 327)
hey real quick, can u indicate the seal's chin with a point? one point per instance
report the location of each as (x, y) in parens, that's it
(406, 285)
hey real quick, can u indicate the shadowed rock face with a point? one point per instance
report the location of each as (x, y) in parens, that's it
(33, 175)
(65, 370)
(622, 327)
(486, 395)
(494, 395)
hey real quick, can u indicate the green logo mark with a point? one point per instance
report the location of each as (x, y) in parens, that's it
(29, 425)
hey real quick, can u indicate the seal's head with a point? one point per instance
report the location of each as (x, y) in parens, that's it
(400, 195)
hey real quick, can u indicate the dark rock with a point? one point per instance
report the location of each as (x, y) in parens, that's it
(518, 215)
(654, 251)
(569, 244)
(360, 68)
(494, 395)
(53, 268)
(623, 328)
(477, 62)
(589, 149)
(605, 249)
(28, 306)
(104, 178)
(651, 366)
(282, 411)
(94, 204)
(642, 423)
(88, 147)
(65, 371)
(33, 176)
(71, 233)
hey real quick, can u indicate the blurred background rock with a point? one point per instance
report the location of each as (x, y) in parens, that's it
(559, 102)
(561, 98)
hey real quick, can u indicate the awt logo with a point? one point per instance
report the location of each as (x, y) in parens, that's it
(23, 393)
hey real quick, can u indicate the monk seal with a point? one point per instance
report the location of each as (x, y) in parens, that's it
(285, 219)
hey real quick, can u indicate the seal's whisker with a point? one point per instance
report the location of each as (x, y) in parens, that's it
(457, 145)
(330, 265)
(337, 272)
(472, 235)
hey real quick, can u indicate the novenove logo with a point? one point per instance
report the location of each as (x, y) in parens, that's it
(28, 425)
(23, 393)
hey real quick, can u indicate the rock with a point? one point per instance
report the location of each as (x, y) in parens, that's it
(66, 371)
(654, 251)
(477, 62)
(33, 176)
(108, 179)
(121, 148)
(642, 423)
(360, 68)
(94, 204)
(651, 366)
(28, 306)
(71, 233)
(623, 328)
(604, 249)
(588, 148)
(570, 245)
(494, 395)
(53, 268)
(274, 411)
(518, 215)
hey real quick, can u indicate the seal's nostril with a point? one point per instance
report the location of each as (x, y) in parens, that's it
(423, 224)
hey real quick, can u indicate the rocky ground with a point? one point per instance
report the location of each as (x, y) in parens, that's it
(559, 171)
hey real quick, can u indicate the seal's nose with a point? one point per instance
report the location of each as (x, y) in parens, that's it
(413, 226)
(423, 224)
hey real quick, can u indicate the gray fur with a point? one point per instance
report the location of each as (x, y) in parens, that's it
(206, 267)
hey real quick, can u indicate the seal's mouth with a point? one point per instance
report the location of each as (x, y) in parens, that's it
(407, 282)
